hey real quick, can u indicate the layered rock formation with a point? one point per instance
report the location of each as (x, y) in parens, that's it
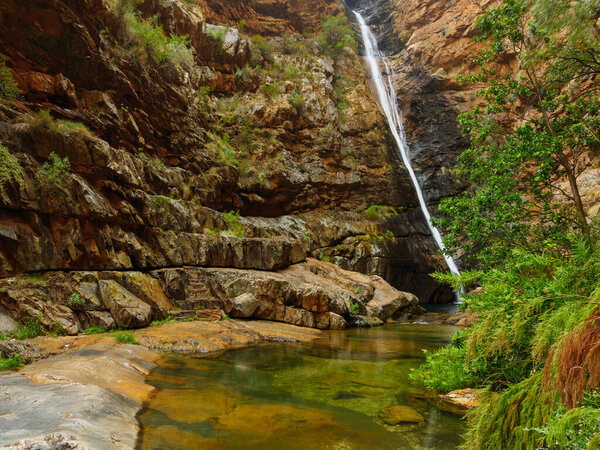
(136, 161)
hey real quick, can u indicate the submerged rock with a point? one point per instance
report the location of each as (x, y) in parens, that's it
(395, 415)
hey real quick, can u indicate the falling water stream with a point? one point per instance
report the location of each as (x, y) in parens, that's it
(386, 96)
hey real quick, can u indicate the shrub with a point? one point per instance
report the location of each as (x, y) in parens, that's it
(217, 34)
(76, 300)
(376, 212)
(354, 309)
(10, 168)
(94, 330)
(125, 337)
(335, 35)
(41, 119)
(160, 200)
(147, 37)
(270, 90)
(296, 99)
(9, 89)
(323, 257)
(30, 329)
(54, 171)
(14, 362)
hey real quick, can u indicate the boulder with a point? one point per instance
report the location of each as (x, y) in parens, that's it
(127, 310)
(242, 306)
(394, 415)
(460, 401)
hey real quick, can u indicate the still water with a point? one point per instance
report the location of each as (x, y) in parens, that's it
(326, 395)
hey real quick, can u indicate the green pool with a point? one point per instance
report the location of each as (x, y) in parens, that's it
(327, 395)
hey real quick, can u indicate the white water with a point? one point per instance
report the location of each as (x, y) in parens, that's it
(384, 90)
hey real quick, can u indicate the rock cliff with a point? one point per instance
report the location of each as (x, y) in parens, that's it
(137, 155)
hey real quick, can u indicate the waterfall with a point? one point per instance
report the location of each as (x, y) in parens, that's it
(386, 95)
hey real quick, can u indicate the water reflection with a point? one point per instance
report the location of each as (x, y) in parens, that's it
(326, 395)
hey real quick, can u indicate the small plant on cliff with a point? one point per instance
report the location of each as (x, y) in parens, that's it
(94, 330)
(146, 37)
(76, 300)
(41, 119)
(160, 201)
(125, 337)
(323, 257)
(296, 99)
(216, 35)
(354, 308)
(14, 362)
(233, 221)
(335, 35)
(9, 89)
(54, 171)
(10, 168)
(30, 329)
(376, 212)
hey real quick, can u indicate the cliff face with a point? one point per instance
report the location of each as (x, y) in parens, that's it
(157, 152)
(428, 44)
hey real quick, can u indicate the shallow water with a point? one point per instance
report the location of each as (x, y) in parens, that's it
(326, 395)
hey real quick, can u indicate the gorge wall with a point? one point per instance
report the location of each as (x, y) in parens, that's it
(161, 154)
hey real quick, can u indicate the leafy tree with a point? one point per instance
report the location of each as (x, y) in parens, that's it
(516, 172)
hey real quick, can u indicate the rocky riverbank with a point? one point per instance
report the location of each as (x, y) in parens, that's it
(88, 391)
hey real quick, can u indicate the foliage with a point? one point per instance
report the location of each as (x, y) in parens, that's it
(94, 330)
(10, 168)
(125, 337)
(14, 362)
(516, 172)
(147, 38)
(76, 300)
(54, 171)
(270, 89)
(30, 329)
(323, 257)
(9, 89)
(167, 319)
(444, 370)
(296, 99)
(216, 34)
(335, 35)
(160, 201)
(232, 218)
(354, 308)
(376, 212)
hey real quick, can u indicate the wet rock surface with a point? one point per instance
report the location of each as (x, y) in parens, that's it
(88, 393)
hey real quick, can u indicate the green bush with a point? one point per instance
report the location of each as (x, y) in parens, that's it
(76, 300)
(335, 35)
(30, 329)
(376, 212)
(270, 89)
(354, 308)
(55, 171)
(10, 168)
(9, 89)
(15, 362)
(125, 337)
(94, 330)
(296, 99)
(146, 37)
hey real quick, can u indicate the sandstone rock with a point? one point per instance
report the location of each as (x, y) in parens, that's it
(28, 352)
(242, 306)
(53, 441)
(394, 415)
(127, 310)
(460, 401)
